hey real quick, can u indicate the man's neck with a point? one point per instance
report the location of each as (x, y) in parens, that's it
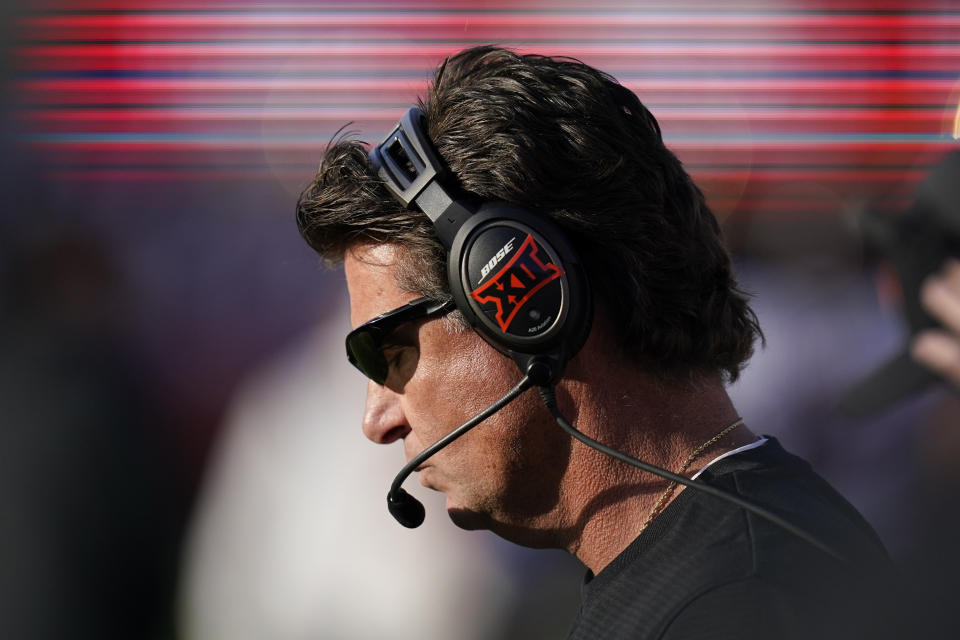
(607, 502)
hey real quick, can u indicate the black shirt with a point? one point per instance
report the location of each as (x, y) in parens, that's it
(705, 568)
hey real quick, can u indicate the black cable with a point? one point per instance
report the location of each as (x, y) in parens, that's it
(550, 400)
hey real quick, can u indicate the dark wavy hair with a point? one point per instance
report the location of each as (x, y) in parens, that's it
(558, 136)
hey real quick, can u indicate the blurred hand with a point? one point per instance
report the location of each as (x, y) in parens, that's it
(939, 349)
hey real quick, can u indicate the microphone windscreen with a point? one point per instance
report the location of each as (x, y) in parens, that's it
(406, 509)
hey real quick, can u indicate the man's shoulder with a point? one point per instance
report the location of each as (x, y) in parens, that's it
(757, 608)
(702, 554)
(786, 485)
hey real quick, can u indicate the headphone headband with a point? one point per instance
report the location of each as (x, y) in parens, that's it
(412, 171)
(405, 158)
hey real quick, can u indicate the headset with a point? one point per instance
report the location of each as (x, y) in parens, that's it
(519, 283)
(511, 271)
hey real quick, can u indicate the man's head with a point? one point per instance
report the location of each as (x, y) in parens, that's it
(557, 136)
(563, 139)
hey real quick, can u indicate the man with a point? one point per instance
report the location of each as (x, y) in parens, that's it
(666, 330)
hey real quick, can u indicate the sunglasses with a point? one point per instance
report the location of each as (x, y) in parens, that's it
(365, 343)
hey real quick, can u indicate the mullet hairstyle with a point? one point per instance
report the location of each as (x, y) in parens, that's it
(557, 136)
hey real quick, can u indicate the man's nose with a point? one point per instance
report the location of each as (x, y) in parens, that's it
(383, 419)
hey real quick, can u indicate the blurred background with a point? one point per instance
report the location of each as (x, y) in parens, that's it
(180, 453)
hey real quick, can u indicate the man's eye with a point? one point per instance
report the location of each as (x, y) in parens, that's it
(396, 355)
(401, 351)
(392, 355)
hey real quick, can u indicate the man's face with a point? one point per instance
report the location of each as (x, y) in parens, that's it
(504, 474)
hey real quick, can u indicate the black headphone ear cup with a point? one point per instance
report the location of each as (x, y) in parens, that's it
(519, 283)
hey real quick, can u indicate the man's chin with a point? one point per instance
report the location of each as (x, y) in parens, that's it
(525, 536)
(467, 519)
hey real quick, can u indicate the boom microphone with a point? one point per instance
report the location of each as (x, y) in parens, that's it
(406, 509)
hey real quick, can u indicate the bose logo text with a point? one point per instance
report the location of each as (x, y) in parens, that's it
(516, 283)
(500, 255)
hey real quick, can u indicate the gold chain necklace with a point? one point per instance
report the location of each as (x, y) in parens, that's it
(693, 456)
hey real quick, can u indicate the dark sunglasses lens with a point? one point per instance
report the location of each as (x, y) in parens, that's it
(365, 355)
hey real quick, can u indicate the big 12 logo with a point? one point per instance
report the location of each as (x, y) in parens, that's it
(516, 282)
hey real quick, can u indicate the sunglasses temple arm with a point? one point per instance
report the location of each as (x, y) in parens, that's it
(408, 510)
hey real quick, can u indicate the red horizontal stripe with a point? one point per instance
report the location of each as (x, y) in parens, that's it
(723, 148)
(286, 58)
(373, 123)
(508, 5)
(271, 92)
(696, 114)
(419, 50)
(793, 182)
(307, 160)
(736, 86)
(636, 17)
(400, 25)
